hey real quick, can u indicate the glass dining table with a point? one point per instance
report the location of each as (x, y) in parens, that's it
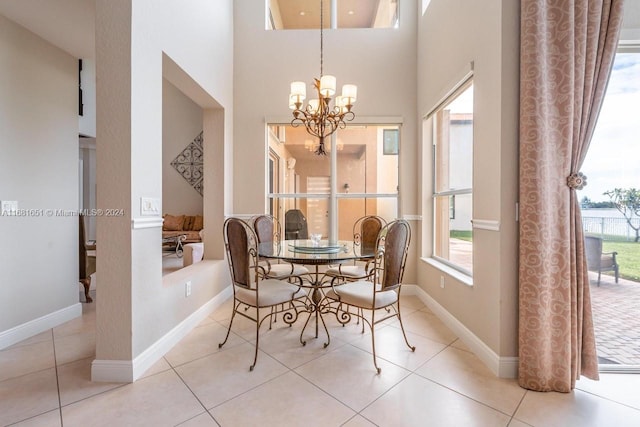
(315, 254)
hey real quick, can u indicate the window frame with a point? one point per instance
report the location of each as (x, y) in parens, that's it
(340, 194)
(452, 95)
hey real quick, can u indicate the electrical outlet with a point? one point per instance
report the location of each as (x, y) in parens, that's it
(187, 288)
(442, 282)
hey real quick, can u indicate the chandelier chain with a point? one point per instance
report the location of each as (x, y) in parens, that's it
(319, 117)
(321, 37)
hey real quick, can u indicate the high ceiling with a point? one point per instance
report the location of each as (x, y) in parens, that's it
(305, 14)
(67, 24)
(70, 24)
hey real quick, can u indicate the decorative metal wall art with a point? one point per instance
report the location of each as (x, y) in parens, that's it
(189, 163)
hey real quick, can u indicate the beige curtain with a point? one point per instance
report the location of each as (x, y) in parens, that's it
(567, 50)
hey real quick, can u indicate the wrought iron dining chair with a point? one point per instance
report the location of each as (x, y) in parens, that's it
(250, 285)
(382, 290)
(268, 229)
(365, 236)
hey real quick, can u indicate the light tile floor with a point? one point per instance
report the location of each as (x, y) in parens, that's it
(45, 381)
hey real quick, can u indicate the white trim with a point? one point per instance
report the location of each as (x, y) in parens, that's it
(456, 90)
(154, 222)
(41, 324)
(503, 367)
(245, 217)
(605, 368)
(412, 217)
(112, 371)
(458, 275)
(131, 370)
(486, 224)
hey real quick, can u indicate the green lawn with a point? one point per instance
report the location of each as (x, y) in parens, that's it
(628, 258)
(462, 235)
(628, 254)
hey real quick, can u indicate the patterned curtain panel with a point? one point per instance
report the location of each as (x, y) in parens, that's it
(567, 51)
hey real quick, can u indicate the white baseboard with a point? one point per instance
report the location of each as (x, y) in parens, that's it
(131, 370)
(41, 324)
(503, 367)
(112, 371)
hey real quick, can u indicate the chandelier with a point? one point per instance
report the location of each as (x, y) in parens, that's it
(312, 147)
(319, 117)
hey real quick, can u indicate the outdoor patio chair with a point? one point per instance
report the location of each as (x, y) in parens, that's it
(600, 261)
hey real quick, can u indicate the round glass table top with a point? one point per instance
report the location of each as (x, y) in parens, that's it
(309, 252)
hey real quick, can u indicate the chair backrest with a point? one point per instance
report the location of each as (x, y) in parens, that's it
(295, 225)
(241, 245)
(366, 231)
(397, 237)
(267, 228)
(593, 249)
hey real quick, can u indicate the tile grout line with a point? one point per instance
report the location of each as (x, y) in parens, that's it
(193, 393)
(55, 363)
(459, 392)
(606, 398)
(518, 407)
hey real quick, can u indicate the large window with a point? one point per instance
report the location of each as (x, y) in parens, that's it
(305, 14)
(364, 180)
(452, 125)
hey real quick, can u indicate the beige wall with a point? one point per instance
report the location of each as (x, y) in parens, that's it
(39, 169)
(137, 45)
(382, 62)
(452, 35)
(181, 123)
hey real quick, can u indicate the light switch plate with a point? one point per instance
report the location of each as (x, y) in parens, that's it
(149, 206)
(8, 207)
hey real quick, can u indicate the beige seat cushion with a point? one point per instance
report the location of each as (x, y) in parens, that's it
(272, 292)
(347, 271)
(360, 294)
(279, 271)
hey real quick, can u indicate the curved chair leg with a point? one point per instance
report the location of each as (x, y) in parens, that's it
(412, 347)
(373, 340)
(228, 330)
(255, 357)
(87, 284)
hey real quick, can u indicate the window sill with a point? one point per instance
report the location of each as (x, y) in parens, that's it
(455, 274)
